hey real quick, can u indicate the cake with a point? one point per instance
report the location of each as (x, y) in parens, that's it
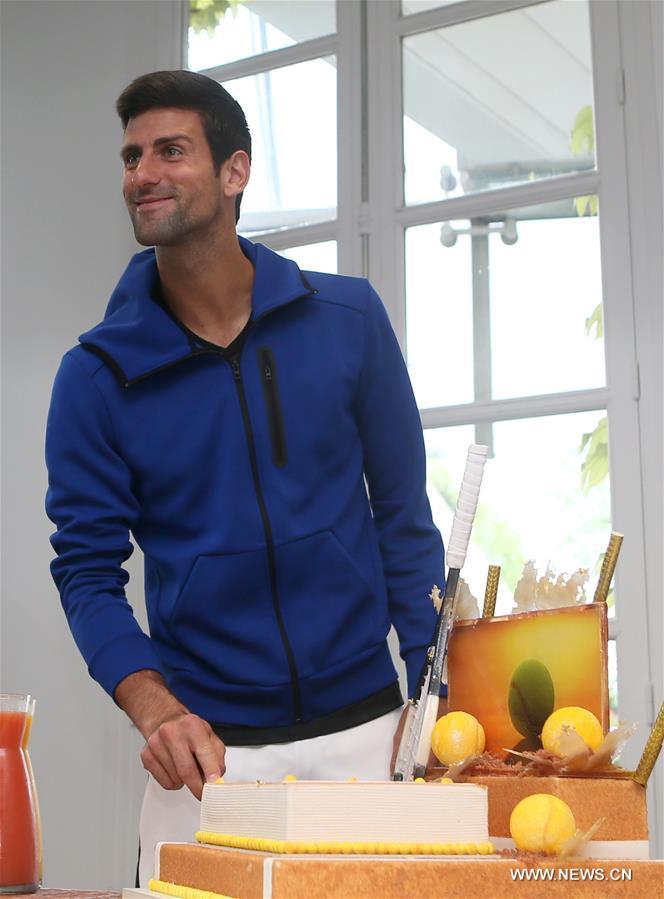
(362, 840)
(360, 817)
(325, 819)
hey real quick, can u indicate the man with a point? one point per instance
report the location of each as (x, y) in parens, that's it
(227, 412)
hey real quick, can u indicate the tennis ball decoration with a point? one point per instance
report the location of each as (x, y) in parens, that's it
(542, 823)
(568, 719)
(530, 700)
(456, 736)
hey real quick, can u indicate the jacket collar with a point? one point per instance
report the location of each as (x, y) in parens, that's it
(139, 336)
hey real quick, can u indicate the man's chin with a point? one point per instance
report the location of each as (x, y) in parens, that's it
(153, 238)
(144, 241)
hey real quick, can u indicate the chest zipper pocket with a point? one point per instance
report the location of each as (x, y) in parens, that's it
(273, 406)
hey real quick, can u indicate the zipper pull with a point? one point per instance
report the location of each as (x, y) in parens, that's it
(235, 365)
(268, 373)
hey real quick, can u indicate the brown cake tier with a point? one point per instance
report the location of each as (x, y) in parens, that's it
(254, 875)
(621, 802)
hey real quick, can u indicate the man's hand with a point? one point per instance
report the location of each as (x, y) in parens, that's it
(442, 710)
(184, 750)
(180, 748)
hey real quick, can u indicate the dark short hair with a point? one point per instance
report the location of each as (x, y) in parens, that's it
(223, 119)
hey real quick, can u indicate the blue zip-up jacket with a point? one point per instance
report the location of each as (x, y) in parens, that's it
(271, 577)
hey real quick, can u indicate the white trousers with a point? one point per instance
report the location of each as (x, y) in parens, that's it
(363, 752)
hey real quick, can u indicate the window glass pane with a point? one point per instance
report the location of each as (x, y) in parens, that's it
(315, 257)
(287, 174)
(498, 101)
(504, 306)
(533, 504)
(255, 26)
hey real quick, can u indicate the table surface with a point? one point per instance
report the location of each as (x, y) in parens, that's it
(72, 894)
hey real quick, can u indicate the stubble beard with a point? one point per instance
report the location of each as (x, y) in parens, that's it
(167, 231)
(178, 227)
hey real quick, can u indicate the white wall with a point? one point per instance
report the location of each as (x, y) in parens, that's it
(66, 239)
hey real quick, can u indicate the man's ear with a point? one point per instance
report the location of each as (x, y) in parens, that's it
(235, 173)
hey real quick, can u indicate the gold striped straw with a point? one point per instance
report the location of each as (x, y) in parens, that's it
(608, 567)
(491, 591)
(652, 750)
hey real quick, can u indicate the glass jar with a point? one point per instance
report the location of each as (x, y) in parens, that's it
(19, 833)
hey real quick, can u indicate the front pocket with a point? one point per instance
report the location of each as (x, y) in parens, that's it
(328, 601)
(275, 418)
(224, 619)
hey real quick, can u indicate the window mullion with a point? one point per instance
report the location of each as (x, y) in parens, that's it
(300, 236)
(275, 59)
(350, 137)
(386, 248)
(498, 200)
(619, 342)
(184, 34)
(641, 34)
(456, 13)
(516, 407)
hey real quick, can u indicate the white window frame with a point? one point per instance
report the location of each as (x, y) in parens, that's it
(390, 217)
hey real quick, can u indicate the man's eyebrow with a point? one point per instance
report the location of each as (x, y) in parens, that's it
(159, 142)
(171, 139)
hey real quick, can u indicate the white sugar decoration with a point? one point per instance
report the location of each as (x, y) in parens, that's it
(465, 604)
(436, 598)
(550, 591)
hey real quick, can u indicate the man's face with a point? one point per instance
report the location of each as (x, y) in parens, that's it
(169, 183)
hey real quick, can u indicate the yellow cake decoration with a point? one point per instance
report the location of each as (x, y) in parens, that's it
(182, 892)
(335, 847)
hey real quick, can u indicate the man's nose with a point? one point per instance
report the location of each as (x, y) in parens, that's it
(146, 172)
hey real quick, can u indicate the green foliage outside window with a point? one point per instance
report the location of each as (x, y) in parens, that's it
(205, 15)
(595, 466)
(595, 444)
(583, 142)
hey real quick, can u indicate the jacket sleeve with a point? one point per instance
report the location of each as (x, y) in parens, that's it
(395, 469)
(91, 503)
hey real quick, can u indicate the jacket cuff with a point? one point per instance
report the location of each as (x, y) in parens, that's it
(414, 663)
(122, 657)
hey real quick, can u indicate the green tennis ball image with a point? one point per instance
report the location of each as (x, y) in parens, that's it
(530, 698)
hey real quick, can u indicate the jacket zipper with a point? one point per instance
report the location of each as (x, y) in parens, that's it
(269, 540)
(275, 418)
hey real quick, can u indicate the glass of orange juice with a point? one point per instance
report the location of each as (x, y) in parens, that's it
(19, 838)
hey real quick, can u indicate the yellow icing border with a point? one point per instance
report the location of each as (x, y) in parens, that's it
(331, 847)
(182, 892)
